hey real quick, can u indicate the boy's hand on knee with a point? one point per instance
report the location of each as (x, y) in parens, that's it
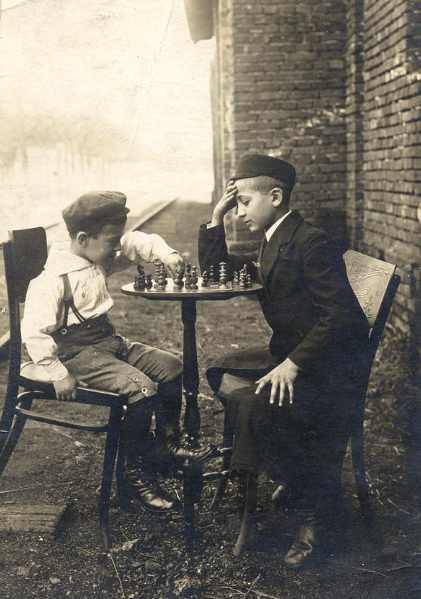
(66, 388)
(174, 263)
(282, 379)
(225, 204)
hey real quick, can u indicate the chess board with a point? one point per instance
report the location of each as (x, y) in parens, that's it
(213, 291)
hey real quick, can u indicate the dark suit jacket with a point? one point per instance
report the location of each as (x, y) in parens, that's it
(307, 300)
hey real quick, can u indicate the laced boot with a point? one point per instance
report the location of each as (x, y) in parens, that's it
(309, 542)
(180, 452)
(144, 487)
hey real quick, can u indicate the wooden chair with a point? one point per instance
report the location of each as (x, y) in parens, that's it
(375, 284)
(24, 257)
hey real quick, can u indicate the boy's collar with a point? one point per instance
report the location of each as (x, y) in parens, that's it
(62, 261)
(275, 225)
(284, 234)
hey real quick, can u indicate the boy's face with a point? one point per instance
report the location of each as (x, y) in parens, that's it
(102, 248)
(254, 208)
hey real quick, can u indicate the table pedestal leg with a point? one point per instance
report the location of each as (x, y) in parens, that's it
(191, 371)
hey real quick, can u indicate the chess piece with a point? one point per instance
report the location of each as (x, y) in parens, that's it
(205, 279)
(243, 281)
(139, 280)
(162, 281)
(178, 282)
(194, 278)
(188, 276)
(222, 275)
(163, 274)
(212, 275)
(236, 278)
(148, 282)
(249, 280)
(156, 274)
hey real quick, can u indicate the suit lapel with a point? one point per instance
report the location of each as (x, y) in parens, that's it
(259, 261)
(283, 234)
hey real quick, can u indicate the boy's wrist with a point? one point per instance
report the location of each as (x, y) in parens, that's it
(217, 219)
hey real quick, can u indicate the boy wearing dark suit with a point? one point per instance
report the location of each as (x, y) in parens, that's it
(290, 402)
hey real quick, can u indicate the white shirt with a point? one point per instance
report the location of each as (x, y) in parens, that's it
(44, 309)
(275, 225)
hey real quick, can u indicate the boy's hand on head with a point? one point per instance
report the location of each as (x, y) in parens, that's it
(282, 379)
(174, 264)
(225, 204)
(66, 388)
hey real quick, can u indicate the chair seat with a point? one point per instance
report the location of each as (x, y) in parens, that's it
(34, 377)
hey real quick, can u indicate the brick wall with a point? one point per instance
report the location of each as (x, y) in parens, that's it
(392, 143)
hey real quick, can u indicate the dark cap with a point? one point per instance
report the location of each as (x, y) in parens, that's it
(255, 165)
(106, 206)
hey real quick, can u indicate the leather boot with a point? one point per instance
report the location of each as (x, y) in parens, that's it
(178, 451)
(143, 487)
(309, 540)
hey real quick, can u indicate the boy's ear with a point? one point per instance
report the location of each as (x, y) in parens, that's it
(83, 239)
(277, 196)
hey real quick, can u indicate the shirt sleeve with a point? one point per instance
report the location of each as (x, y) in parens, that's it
(41, 314)
(140, 247)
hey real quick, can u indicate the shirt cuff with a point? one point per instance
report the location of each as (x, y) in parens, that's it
(56, 370)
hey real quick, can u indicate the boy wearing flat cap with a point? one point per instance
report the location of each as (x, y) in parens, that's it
(67, 331)
(289, 403)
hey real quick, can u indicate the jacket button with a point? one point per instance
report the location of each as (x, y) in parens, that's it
(136, 380)
(144, 390)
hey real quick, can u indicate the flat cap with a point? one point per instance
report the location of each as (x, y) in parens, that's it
(254, 165)
(106, 206)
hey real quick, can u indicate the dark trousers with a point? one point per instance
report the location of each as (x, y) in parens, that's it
(302, 444)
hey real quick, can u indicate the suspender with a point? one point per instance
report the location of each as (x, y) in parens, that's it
(69, 304)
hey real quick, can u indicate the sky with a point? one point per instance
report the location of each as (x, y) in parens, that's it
(121, 76)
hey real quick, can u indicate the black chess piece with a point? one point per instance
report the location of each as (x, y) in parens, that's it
(178, 282)
(161, 282)
(163, 274)
(148, 282)
(212, 275)
(156, 274)
(205, 279)
(194, 278)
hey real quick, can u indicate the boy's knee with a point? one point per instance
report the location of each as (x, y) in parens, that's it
(173, 367)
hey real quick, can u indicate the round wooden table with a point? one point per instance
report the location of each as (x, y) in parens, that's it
(188, 299)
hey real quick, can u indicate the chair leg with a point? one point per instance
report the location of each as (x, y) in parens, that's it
(247, 500)
(122, 499)
(15, 432)
(225, 465)
(8, 412)
(110, 453)
(192, 493)
(358, 462)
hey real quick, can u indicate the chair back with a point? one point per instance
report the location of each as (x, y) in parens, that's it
(24, 257)
(375, 285)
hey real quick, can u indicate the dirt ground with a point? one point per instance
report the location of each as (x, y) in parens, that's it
(148, 561)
